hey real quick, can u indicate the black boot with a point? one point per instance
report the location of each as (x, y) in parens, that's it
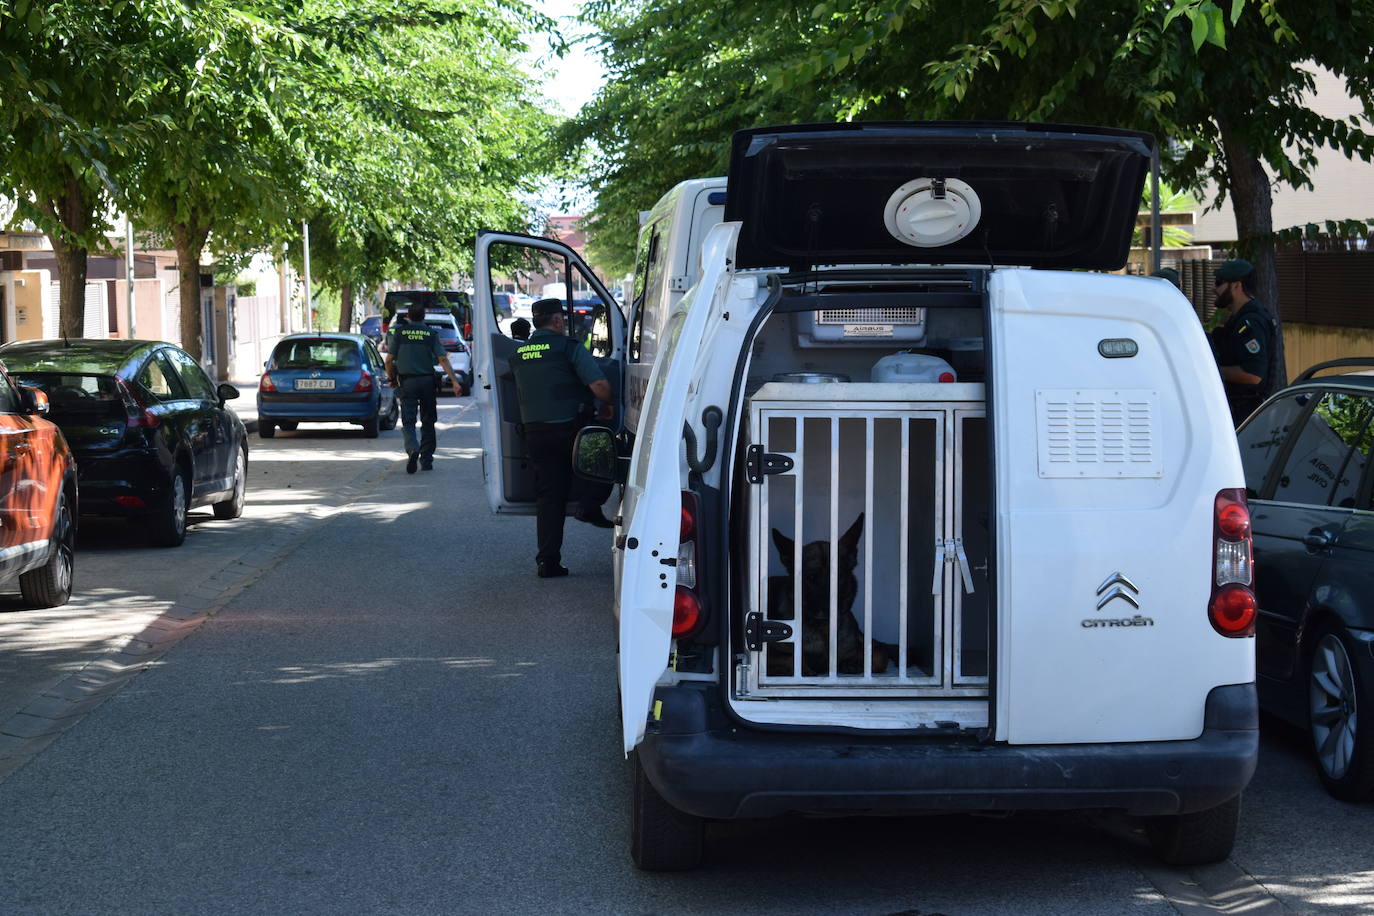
(549, 570)
(595, 518)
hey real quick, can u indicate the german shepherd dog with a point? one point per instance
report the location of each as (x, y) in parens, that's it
(849, 641)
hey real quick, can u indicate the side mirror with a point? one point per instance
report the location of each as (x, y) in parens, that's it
(35, 400)
(595, 457)
(226, 392)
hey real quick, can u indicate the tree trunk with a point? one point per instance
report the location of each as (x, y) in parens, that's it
(74, 211)
(1253, 205)
(347, 293)
(190, 242)
(71, 274)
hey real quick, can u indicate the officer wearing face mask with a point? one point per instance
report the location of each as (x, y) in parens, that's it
(1243, 344)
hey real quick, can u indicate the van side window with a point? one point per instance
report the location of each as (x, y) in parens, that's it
(650, 262)
(1317, 467)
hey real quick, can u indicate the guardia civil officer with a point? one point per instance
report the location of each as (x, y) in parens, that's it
(555, 380)
(412, 350)
(1243, 344)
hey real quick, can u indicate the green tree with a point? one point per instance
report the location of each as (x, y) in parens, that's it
(75, 108)
(414, 157)
(1226, 84)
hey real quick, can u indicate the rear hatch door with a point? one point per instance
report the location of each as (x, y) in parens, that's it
(936, 192)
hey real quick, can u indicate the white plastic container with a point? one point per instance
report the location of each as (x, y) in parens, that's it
(913, 367)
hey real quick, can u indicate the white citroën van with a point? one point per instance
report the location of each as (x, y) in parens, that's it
(1021, 541)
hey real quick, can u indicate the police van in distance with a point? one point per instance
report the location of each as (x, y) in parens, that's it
(921, 511)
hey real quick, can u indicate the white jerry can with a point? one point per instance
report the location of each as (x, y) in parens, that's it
(907, 366)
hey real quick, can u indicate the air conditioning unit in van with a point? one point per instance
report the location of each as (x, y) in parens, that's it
(862, 327)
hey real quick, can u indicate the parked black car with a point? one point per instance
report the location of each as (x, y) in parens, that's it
(1308, 478)
(151, 434)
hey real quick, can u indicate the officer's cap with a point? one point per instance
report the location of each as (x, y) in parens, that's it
(545, 307)
(1234, 269)
(1167, 273)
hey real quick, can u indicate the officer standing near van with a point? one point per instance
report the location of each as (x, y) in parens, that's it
(412, 349)
(555, 379)
(1242, 345)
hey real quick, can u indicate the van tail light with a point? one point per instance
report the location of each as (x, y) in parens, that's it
(364, 381)
(1233, 607)
(687, 610)
(139, 414)
(265, 383)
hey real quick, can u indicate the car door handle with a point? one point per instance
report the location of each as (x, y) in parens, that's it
(1318, 539)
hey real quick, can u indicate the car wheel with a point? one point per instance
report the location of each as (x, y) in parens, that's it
(1344, 749)
(393, 415)
(1198, 838)
(288, 426)
(169, 526)
(50, 585)
(233, 506)
(662, 838)
(371, 427)
(267, 429)
(466, 387)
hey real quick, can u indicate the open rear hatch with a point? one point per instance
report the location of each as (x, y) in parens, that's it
(995, 194)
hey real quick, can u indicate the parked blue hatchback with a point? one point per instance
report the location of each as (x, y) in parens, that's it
(325, 378)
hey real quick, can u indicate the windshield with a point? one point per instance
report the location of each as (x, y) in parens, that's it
(316, 353)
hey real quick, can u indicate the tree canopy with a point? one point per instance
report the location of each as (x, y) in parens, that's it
(395, 129)
(1225, 85)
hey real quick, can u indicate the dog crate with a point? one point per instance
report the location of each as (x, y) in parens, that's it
(869, 541)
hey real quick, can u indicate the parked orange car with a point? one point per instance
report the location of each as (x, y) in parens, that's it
(38, 498)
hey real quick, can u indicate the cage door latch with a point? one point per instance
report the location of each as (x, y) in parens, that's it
(759, 630)
(759, 464)
(951, 550)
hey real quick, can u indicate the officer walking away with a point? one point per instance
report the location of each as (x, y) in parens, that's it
(1243, 344)
(412, 349)
(555, 379)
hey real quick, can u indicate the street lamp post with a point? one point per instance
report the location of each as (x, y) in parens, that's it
(309, 311)
(129, 275)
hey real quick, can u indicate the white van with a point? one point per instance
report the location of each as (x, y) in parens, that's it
(1005, 488)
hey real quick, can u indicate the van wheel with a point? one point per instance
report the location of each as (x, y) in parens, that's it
(1344, 749)
(267, 429)
(662, 838)
(392, 415)
(169, 526)
(1198, 838)
(50, 585)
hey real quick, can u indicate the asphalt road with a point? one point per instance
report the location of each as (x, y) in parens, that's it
(359, 698)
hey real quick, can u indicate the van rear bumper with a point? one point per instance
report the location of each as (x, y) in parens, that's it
(707, 766)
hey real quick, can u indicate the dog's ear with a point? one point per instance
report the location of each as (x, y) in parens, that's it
(849, 541)
(785, 546)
